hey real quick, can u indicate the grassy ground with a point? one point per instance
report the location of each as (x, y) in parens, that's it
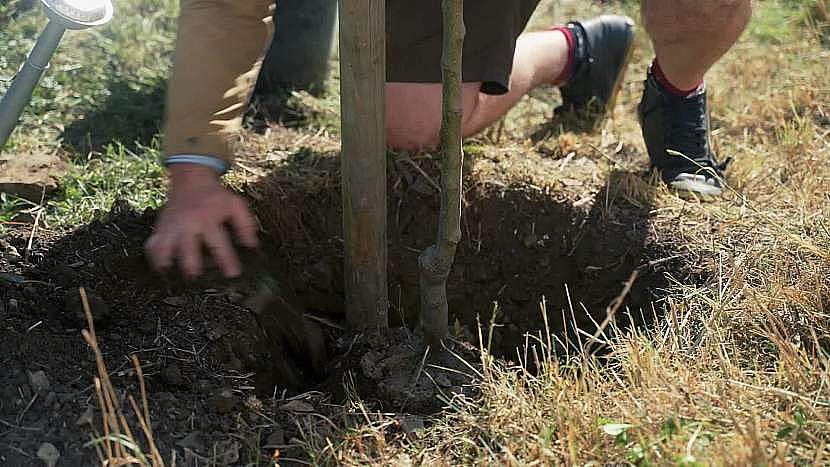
(99, 105)
(738, 370)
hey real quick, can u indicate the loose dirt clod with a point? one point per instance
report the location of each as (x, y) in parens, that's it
(172, 375)
(216, 332)
(276, 438)
(175, 301)
(39, 381)
(29, 292)
(297, 346)
(193, 441)
(75, 311)
(398, 372)
(297, 406)
(223, 401)
(49, 454)
(86, 417)
(411, 425)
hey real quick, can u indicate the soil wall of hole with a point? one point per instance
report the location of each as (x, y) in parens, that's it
(519, 244)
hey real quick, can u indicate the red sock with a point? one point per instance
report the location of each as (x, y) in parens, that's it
(667, 85)
(565, 75)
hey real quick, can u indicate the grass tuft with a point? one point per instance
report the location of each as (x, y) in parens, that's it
(93, 185)
(117, 445)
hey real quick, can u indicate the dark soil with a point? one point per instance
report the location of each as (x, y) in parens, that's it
(521, 243)
(217, 394)
(199, 348)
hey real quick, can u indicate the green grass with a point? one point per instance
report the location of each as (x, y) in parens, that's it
(11, 206)
(775, 21)
(99, 105)
(91, 187)
(119, 173)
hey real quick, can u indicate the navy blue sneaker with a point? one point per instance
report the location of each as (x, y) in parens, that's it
(676, 132)
(603, 48)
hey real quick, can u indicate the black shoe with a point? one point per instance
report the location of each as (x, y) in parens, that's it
(603, 48)
(676, 132)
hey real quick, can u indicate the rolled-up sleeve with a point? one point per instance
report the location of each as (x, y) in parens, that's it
(218, 54)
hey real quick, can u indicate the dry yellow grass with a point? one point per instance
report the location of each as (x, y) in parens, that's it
(736, 372)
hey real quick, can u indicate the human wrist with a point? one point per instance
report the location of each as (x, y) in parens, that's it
(182, 176)
(217, 164)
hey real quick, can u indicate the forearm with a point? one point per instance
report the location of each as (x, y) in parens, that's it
(218, 53)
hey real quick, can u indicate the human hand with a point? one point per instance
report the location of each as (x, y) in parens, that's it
(198, 213)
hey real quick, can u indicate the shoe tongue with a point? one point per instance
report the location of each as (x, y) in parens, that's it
(582, 56)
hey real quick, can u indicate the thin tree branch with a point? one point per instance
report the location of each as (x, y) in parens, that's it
(436, 261)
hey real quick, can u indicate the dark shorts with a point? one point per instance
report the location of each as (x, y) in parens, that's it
(414, 40)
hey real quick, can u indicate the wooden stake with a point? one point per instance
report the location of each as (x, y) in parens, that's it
(436, 261)
(362, 81)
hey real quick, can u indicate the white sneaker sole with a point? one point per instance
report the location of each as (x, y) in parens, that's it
(697, 185)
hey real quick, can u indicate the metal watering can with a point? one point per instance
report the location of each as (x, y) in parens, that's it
(63, 15)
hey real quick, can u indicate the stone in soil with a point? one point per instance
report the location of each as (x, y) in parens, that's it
(411, 425)
(9, 253)
(86, 418)
(30, 176)
(49, 454)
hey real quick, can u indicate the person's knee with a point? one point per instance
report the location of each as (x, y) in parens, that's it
(414, 113)
(671, 21)
(409, 137)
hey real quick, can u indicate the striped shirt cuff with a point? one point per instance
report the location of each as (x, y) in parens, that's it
(219, 165)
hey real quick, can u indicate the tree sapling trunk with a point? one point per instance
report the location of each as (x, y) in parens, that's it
(436, 261)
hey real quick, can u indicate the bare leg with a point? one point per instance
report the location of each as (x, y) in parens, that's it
(539, 60)
(413, 110)
(691, 35)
